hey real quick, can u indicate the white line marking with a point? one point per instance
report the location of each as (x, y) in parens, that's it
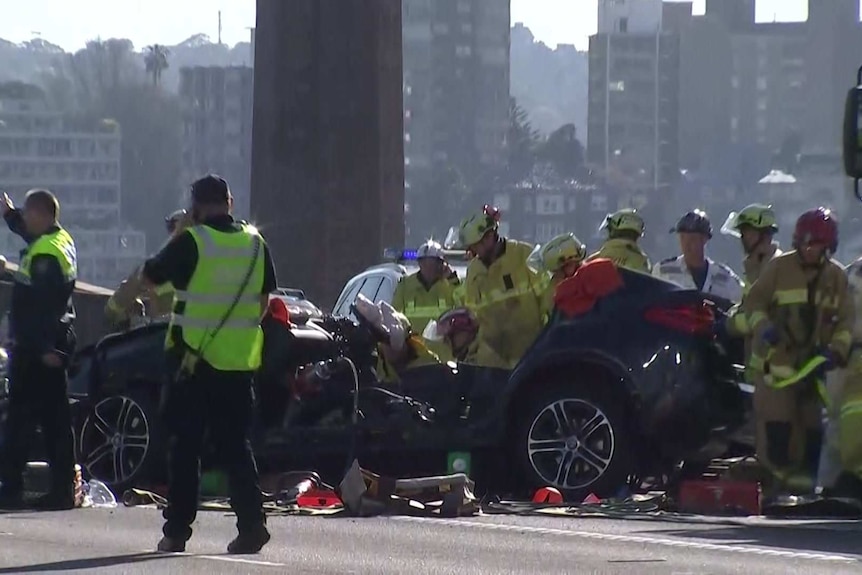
(222, 558)
(637, 539)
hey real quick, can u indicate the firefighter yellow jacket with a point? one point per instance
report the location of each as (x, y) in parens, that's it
(419, 355)
(159, 302)
(480, 353)
(507, 300)
(549, 289)
(423, 304)
(811, 310)
(624, 253)
(753, 264)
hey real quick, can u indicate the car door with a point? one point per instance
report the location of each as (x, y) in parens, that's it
(348, 295)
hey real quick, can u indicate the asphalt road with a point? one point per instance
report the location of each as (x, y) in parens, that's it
(121, 540)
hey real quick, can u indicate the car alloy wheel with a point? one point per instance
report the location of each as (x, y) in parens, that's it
(115, 440)
(570, 443)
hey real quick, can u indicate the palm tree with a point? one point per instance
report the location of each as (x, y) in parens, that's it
(156, 59)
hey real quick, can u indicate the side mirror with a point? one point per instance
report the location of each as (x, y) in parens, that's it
(853, 134)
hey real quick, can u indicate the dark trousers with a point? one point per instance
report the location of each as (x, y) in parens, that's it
(37, 395)
(220, 406)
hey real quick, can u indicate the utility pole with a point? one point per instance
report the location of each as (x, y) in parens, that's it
(219, 27)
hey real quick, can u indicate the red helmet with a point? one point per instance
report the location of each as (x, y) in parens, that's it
(456, 321)
(817, 226)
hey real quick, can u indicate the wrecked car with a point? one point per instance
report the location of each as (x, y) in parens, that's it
(629, 388)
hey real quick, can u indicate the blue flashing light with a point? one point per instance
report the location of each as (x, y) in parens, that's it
(400, 255)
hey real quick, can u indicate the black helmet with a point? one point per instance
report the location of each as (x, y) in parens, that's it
(695, 222)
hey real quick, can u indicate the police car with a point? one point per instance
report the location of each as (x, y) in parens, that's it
(378, 282)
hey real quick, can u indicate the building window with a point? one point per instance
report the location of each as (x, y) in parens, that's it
(734, 124)
(761, 83)
(528, 203)
(761, 124)
(463, 51)
(761, 103)
(547, 230)
(550, 205)
(734, 82)
(599, 203)
(623, 25)
(463, 7)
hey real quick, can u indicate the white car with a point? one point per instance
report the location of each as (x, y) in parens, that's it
(378, 282)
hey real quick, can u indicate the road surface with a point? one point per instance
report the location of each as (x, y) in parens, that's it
(121, 541)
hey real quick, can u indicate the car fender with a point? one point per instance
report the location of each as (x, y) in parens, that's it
(527, 371)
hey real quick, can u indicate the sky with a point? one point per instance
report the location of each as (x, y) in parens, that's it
(71, 23)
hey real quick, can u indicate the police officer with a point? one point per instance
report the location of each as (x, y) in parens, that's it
(125, 303)
(429, 292)
(625, 228)
(223, 273)
(40, 323)
(800, 308)
(693, 269)
(501, 288)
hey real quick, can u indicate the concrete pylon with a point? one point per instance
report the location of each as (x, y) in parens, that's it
(328, 147)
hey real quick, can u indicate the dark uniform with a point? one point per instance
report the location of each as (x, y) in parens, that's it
(40, 322)
(216, 394)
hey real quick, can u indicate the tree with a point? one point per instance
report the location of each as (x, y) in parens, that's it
(156, 60)
(106, 80)
(521, 142)
(564, 151)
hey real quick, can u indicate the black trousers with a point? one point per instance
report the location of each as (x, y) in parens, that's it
(219, 406)
(37, 395)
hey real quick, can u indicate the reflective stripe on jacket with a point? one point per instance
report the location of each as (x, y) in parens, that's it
(224, 259)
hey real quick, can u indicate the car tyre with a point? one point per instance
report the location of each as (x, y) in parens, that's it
(575, 437)
(120, 441)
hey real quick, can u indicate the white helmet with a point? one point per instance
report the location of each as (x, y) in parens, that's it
(430, 249)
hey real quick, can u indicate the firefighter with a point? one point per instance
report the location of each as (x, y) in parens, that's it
(755, 226)
(126, 303)
(398, 347)
(799, 310)
(625, 227)
(560, 258)
(501, 288)
(841, 464)
(40, 328)
(693, 269)
(223, 273)
(458, 329)
(426, 294)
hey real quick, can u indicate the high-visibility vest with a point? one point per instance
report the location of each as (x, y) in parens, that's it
(58, 244)
(223, 262)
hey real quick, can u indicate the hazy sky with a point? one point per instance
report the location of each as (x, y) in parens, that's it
(70, 23)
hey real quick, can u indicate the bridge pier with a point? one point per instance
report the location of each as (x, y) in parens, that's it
(327, 154)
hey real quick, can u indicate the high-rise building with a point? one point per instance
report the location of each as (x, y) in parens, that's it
(456, 88)
(80, 163)
(771, 82)
(217, 122)
(634, 93)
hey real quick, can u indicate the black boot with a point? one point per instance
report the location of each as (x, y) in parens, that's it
(249, 542)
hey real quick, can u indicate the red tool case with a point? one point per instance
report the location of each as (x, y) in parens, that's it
(719, 497)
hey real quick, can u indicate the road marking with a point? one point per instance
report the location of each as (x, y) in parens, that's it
(638, 539)
(221, 558)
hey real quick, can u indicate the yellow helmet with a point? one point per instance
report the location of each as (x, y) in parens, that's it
(757, 216)
(561, 250)
(474, 228)
(625, 220)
